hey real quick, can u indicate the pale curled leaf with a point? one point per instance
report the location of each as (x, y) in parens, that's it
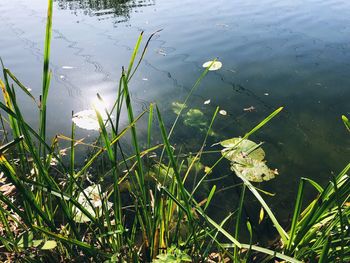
(87, 119)
(214, 65)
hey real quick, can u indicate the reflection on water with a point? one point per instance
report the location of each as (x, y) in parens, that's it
(119, 9)
(294, 54)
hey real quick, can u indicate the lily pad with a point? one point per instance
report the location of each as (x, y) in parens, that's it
(177, 107)
(214, 65)
(93, 193)
(87, 119)
(245, 148)
(253, 170)
(195, 118)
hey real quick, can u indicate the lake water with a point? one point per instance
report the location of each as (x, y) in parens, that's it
(292, 53)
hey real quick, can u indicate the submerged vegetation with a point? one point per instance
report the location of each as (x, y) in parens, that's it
(137, 207)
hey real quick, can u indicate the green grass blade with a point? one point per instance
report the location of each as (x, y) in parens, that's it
(8, 145)
(173, 163)
(279, 228)
(99, 152)
(297, 209)
(143, 53)
(314, 184)
(133, 56)
(238, 222)
(324, 254)
(46, 72)
(210, 197)
(149, 127)
(83, 245)
(271, 253)
(140, 173)
(24, 88)
(346, 122)
(219, 228)
(28, 195)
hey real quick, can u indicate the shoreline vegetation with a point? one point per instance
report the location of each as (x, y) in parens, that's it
(137, 207)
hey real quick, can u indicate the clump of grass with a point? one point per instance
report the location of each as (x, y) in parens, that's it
(137, 208)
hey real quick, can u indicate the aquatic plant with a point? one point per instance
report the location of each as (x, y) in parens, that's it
(137, 206)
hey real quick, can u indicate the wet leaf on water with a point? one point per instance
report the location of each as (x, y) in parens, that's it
(215, 66)
(245, 148)
(253, 170)
(247, 159)
(87, 119)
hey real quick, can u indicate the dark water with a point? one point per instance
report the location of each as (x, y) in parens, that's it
(291, 53)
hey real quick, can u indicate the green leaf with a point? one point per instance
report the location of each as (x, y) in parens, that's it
(237, 148)
(48, 245)
(253, 170)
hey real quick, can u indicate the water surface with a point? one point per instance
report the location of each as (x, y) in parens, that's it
(294, 54)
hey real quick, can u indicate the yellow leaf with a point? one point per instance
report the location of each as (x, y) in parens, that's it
(207, 170)
(261, 215)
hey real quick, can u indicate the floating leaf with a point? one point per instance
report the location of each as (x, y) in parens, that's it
(214, 65)
(223, 112)
(195, 118)
(50, 244)
(206, 102)
(247, 159)
(93, 193)
(87, 119)
(177, 107)
(253, 170)
(234, 152)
